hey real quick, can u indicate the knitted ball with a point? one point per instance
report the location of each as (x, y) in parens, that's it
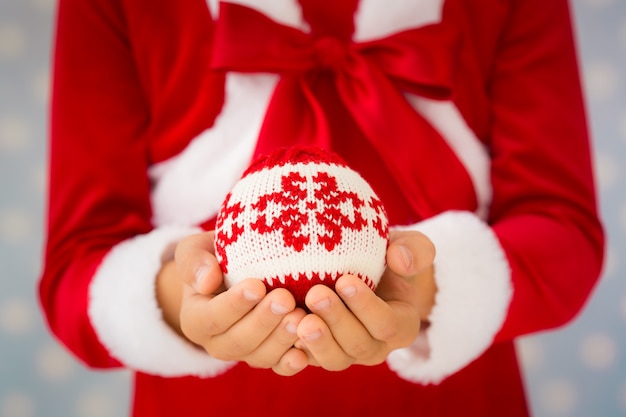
(301, 217)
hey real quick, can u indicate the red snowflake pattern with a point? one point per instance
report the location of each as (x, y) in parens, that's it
(291, 221)
(300, 214)
(327, 203)
(380, 224)
(331, 217)
(225, 236)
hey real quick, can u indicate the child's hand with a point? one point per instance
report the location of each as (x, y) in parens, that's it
(370, 325)
(242, 323)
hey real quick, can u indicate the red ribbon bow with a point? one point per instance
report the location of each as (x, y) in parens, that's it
(369, 78)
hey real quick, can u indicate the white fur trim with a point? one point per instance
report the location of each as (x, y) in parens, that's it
(378, 18)
(373, 19)
(474, 292)
(286, 12)
(215, 160)
(127, 319)
(447, 119)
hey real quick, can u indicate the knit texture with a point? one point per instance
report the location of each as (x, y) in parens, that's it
(300, 217)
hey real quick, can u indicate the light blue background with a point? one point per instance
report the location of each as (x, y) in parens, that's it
(578, 371)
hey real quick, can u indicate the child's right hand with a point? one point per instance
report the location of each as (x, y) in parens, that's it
(242, 323)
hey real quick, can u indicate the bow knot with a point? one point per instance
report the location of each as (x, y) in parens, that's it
(329, 53)
(370, 82)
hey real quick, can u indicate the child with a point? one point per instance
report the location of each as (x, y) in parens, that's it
(465, 117)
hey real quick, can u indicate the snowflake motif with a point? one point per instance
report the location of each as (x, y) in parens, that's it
(300, 214)
(325, 204)
(380, 224)
(227, 229)
(291, 220)
(331, 217)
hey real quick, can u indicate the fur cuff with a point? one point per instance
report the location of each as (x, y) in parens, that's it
(474, 291)
(125, 314)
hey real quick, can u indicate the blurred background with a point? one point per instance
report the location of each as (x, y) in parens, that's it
(577, 371)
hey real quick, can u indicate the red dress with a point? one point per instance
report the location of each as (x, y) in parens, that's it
(467, 119)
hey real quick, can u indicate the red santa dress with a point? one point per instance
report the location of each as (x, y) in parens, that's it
(466, 118)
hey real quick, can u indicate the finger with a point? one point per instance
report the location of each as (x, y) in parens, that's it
(196, 263)
(203, 317)
(269, 352)
(410, 256)
(251, 330)
(394, 322)
(409, 253)
(292, 362)
(320, 344)
(347, 330)
(310, 358)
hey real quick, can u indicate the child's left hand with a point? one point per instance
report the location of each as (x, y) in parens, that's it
(357, 326)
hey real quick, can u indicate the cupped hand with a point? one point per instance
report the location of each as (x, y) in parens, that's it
(242, 323)
(357, 326)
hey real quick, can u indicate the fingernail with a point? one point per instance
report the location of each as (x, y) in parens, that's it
(323, 304)
(348, 291)
(278, 309)
(250, 295)
(310, 337)
(407, 257)
(201, 273)
(291, 328)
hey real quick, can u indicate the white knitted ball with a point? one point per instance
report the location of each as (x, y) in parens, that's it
(301, 217)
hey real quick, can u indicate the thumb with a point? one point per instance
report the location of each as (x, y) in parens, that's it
(410, 253)
(196, 264)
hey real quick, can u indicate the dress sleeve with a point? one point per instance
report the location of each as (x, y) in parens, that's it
(544, 211)
(532, 265)
(102, 252)
(98, 188)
